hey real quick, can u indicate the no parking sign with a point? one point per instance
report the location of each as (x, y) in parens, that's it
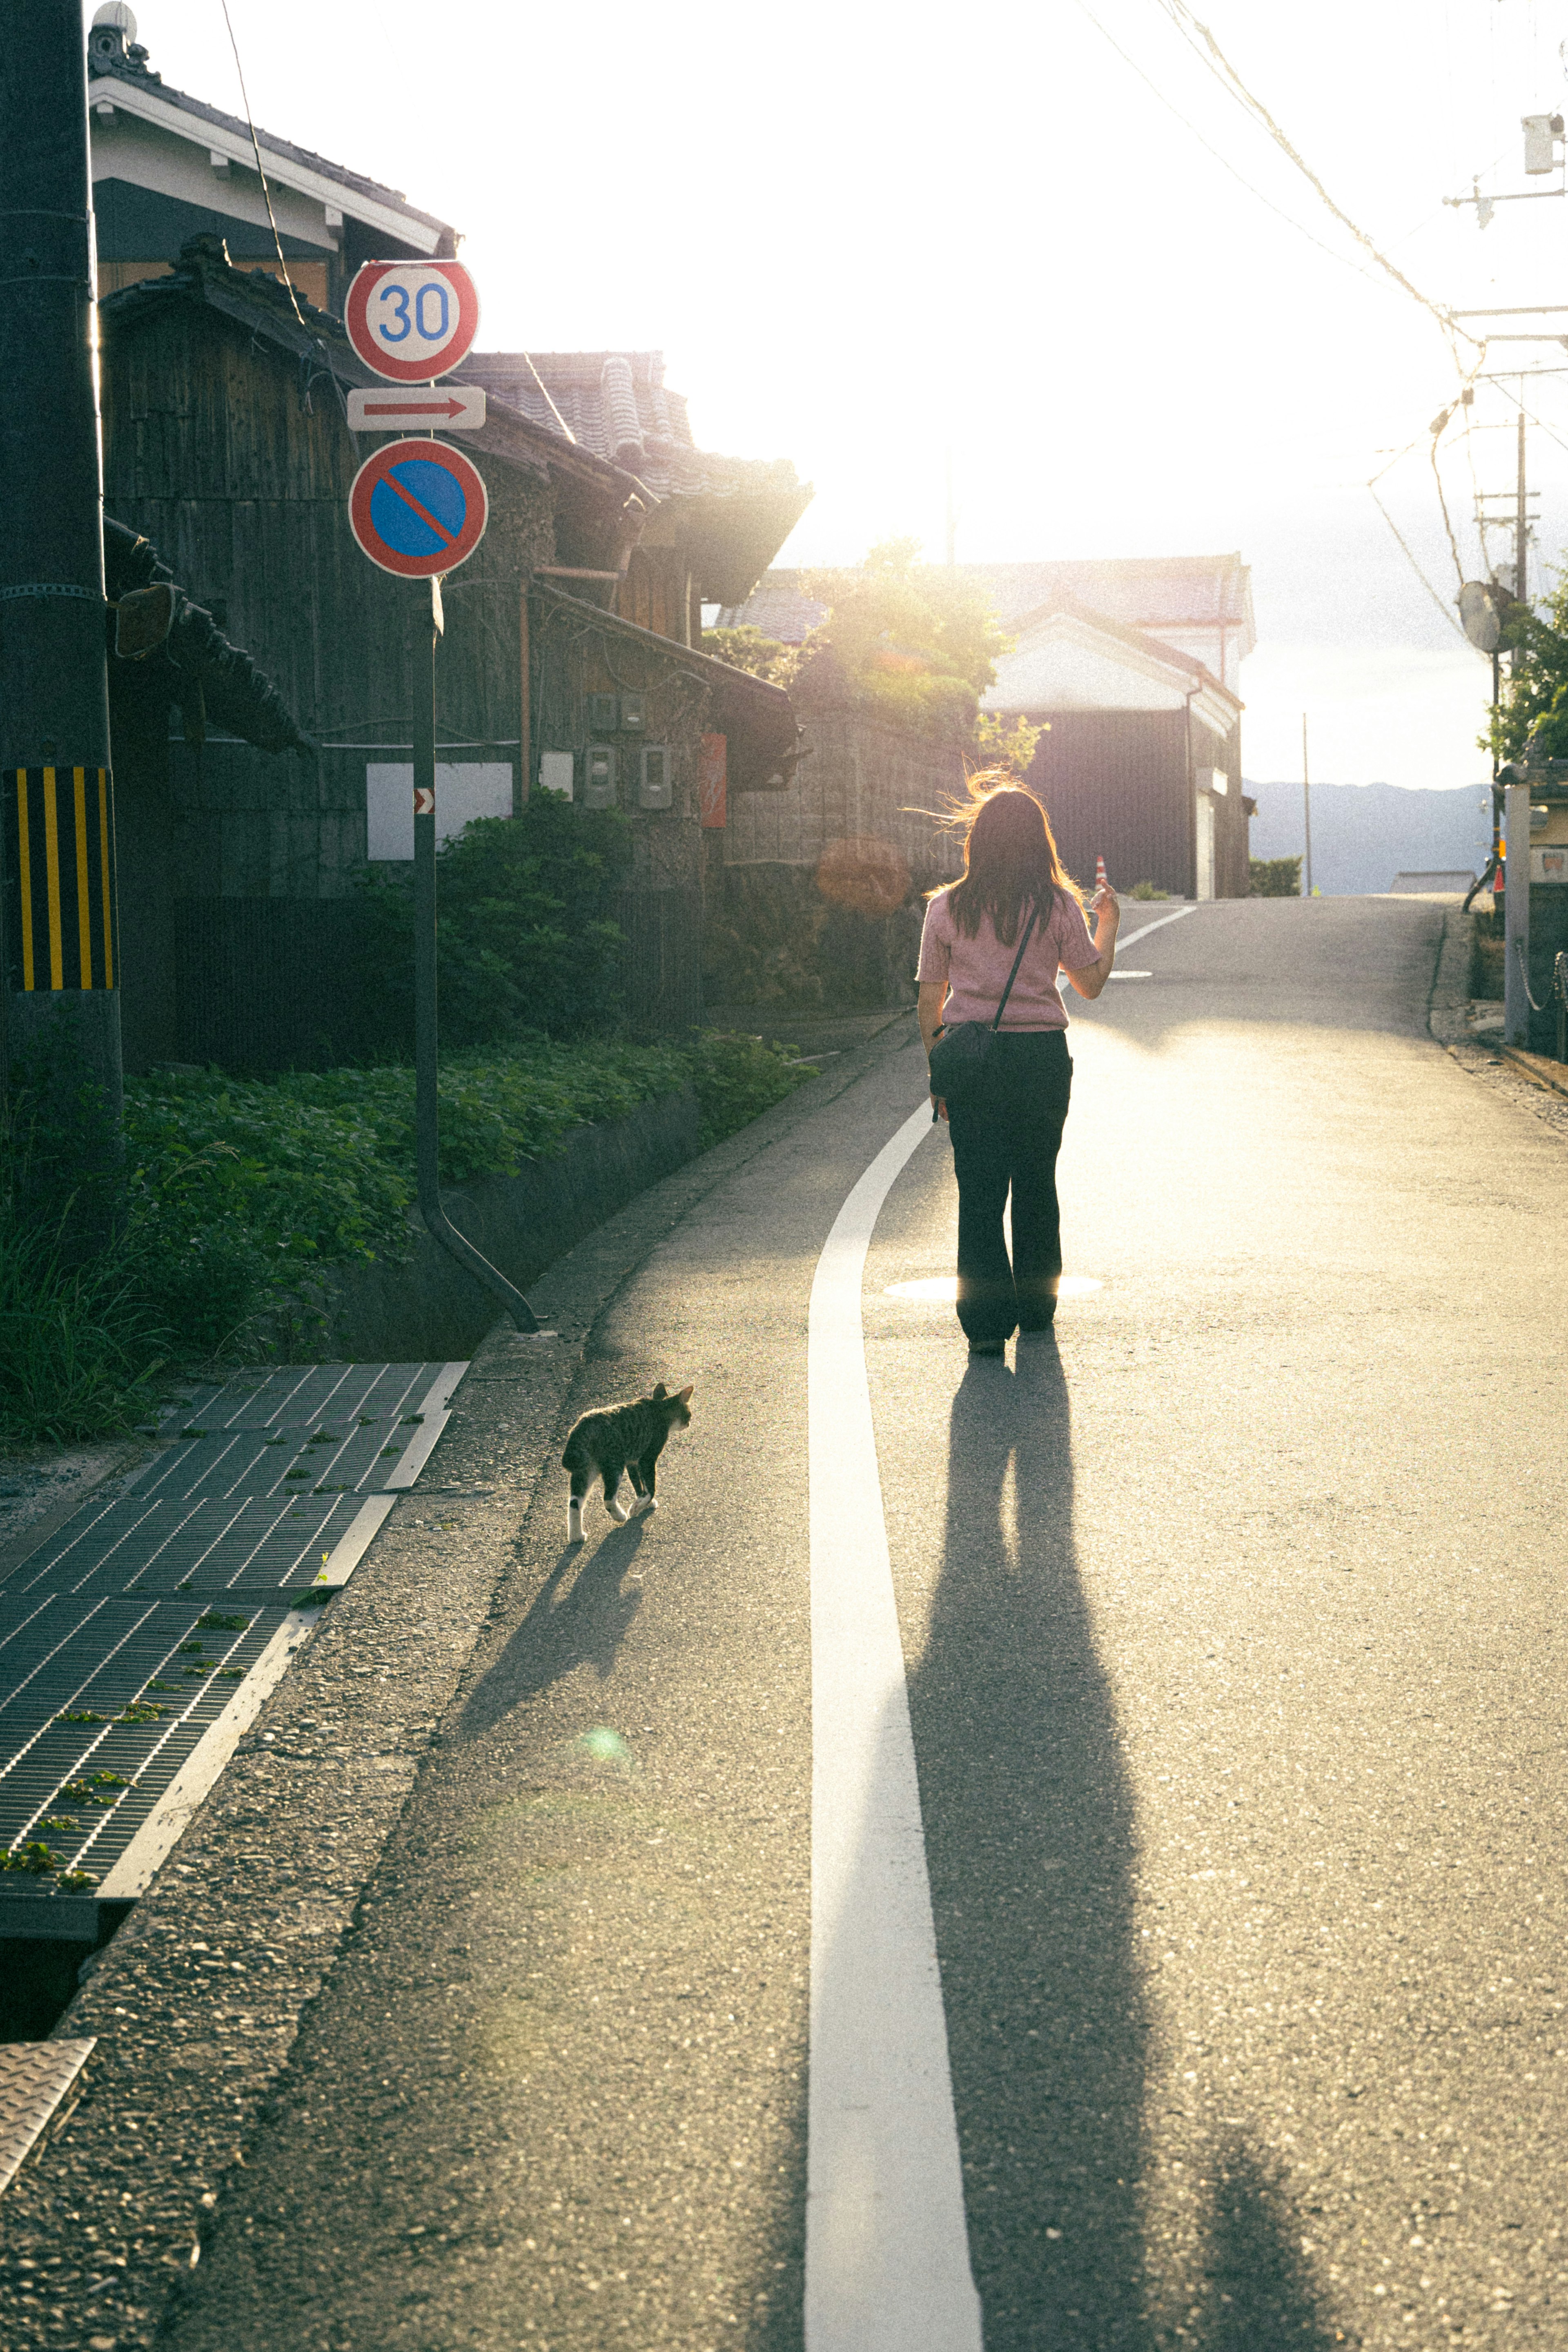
(418, 508)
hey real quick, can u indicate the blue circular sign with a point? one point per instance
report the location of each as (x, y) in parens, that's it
(418, 508)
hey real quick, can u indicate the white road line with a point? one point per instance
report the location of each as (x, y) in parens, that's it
(1158, 924)
(887, 2245)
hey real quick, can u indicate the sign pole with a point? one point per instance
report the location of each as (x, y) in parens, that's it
(61, 953)
(426, 635)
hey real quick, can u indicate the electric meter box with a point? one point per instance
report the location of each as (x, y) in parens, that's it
(599, 777)
(656, 789)
(555, 773)
(1540, 134)
(632, 718)
(603, 716)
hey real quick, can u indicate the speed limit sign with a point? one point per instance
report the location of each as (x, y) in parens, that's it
(412, 320)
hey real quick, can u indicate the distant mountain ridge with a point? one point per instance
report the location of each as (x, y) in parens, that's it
(1364, 835)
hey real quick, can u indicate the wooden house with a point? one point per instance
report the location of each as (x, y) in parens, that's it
(226, 444)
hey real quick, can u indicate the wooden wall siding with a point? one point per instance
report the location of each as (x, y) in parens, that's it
(572, 659)
(1114, 782)
(657, 593)
(209, 450)
(860, 776)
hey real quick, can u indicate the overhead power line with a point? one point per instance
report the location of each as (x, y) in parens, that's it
(1207, 49)
(1415, 566)
(1225, 165)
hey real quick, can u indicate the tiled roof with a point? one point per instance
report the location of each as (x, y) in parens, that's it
(108, 55)
(1155, 592)
(778, 607)
(1152, 592)
(617, 404)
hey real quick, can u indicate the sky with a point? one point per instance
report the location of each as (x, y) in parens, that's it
(863, 237)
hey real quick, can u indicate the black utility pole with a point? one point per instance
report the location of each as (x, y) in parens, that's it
(57, 931)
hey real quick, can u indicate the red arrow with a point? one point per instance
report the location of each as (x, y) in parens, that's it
(414, 408)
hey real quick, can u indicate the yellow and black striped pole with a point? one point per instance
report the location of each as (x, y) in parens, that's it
(58, 864)
(59, 941)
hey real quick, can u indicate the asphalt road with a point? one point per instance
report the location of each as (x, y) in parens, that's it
(1234, 1669)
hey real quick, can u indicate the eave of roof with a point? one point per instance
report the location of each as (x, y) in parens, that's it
(259, 302)
(753, 703)
(1151, 647)
(125, 75)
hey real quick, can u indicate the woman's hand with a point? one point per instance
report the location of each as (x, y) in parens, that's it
(1106, 908)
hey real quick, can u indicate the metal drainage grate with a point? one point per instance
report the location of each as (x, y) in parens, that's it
(36, 2079)
(330, 1393)
(358, 1456)
(138, 1640)
(146, 1547)
(104, 1700)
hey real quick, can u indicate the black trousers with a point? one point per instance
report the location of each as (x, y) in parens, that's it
(1007, 1140)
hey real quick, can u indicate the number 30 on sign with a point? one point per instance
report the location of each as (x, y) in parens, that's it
(412, 320)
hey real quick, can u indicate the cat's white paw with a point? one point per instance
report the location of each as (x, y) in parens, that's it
(649, 1504)
(618, 1512)
(573, 1523)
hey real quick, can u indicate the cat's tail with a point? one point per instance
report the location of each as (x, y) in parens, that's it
(572, 1459)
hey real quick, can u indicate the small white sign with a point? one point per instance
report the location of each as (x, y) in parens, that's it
(434, 408)
(555, 773)
(464, 790)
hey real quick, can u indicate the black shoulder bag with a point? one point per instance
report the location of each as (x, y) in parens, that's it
(958, 1057)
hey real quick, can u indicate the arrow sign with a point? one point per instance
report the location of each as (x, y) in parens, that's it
(455, 408)
(411, 320)
(418, 508)
(424, 800)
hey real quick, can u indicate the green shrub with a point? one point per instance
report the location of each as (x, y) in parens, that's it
(526, 942)
(737, 1078)
(1146, 890)
(1274, 877)
(237, 1190)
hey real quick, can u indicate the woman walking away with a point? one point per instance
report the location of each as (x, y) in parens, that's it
(1014, 911)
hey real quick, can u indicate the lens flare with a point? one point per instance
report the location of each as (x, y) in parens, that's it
(607, 1747)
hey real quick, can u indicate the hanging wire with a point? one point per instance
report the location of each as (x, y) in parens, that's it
(1202, 42)
(1290, 221)
(1415, 566)
(307, 373)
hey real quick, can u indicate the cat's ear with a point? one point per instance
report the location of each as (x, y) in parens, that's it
(660, 1392)
(685, 1396)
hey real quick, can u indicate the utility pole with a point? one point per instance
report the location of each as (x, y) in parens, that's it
(1521, 526)
(57, 929)
(1305, 813)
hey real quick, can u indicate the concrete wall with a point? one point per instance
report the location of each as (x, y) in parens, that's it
(429, 1306)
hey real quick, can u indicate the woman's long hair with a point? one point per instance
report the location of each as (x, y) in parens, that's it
(1010, 858)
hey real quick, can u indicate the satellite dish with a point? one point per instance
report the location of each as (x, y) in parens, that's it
(1478, 616)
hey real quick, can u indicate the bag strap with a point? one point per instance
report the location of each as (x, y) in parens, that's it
(1018, 959)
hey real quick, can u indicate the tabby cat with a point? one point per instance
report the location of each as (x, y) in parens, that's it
(623, 1437)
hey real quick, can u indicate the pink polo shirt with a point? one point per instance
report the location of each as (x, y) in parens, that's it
(976, 969)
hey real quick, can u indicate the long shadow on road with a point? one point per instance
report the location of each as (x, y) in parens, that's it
(1032, 1846)
(568, 1626)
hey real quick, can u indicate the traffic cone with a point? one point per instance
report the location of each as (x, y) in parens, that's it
(1102, 880)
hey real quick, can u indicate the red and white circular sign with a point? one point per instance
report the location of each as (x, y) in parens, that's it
(411, 320)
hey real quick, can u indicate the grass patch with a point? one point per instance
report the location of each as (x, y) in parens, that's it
(237, 1191)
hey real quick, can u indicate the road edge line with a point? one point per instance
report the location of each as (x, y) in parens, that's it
(887, 2239)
